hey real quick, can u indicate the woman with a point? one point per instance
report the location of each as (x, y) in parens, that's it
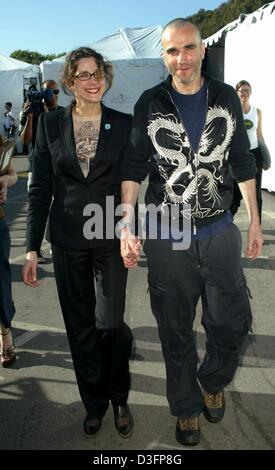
(253, 122)
(7, 311)
(76, 163)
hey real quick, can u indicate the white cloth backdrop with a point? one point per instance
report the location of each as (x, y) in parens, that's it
(249, 56)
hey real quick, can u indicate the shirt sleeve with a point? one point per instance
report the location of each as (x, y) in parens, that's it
(41, 189)
(135, 164)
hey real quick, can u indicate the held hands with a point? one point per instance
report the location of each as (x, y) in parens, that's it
(129, 248)
(29, 271)
(254, 241)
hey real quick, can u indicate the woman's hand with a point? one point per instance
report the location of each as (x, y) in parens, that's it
(29, 271)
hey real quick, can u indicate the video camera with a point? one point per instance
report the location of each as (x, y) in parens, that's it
(38, 98)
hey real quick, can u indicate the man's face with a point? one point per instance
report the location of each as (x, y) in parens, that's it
(54, 99)
(183, 52)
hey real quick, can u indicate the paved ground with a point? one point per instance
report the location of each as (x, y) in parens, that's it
(39, 403)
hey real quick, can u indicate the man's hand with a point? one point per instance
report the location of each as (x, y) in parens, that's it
(254, 241)
(27, 107)
(29, 271)
(129, 248)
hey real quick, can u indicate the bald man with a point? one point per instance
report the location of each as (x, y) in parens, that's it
(189, 136)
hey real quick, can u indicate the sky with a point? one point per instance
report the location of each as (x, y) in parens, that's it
(55, 26)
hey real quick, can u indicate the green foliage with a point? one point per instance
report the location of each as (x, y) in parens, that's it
(33, 57)
(210, 22)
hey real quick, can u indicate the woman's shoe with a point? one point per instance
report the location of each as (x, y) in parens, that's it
(7, 354)
(124, 421)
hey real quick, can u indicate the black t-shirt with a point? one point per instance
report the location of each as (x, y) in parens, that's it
(192, 109)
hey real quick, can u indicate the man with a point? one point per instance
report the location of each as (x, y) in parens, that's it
(189, 134)
(9, 122)
(29, 120)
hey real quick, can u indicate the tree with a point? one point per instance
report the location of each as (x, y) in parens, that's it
(33, 57)
(210, 22)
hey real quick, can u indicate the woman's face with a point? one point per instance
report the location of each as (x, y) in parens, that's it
(244, 93)
(87, 88)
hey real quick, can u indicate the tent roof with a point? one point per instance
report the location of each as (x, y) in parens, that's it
(7, 63)
(127, 43)
(130, 43)
(257, 15)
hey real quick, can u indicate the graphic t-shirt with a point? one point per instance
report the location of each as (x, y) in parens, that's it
(251, 124)
(86, 133)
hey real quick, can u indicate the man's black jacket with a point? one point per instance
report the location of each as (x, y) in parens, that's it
(159, 145)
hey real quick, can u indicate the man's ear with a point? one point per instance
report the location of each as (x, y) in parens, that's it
(203, 50)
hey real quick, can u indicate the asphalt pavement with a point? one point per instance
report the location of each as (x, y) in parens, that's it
(40, 407)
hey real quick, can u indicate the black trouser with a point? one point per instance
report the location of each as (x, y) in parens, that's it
(99, 340)
(210, 269)
(7, 309)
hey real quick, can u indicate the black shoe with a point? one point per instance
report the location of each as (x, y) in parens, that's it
(92, 425)
(124, 421)
(188, 431)
(214, 406)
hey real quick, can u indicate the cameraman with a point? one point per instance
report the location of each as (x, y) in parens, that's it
(30, 115)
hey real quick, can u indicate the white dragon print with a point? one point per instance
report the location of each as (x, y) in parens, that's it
(205, 179)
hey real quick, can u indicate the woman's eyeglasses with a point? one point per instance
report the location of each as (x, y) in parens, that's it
(244, 90)
(84, 76)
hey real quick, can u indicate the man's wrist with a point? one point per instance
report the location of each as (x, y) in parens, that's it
(123, 224)
(31, 256)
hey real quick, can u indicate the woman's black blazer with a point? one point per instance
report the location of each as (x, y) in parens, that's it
(59, 188)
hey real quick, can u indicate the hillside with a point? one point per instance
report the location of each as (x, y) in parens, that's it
(210, 21)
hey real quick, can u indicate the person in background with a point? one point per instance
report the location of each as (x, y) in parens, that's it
(253, 123)
(7, 310)
(76, 162)
(188, 134)
(29, 122)
(22, 122)
(9, 122)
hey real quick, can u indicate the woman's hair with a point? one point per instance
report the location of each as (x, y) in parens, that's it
(70, 67)
(242, 83)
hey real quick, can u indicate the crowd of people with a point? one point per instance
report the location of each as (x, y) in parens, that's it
(86, 153)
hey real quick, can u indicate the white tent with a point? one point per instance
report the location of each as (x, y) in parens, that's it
(248, 56)
(14, 75)
(136, 56)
